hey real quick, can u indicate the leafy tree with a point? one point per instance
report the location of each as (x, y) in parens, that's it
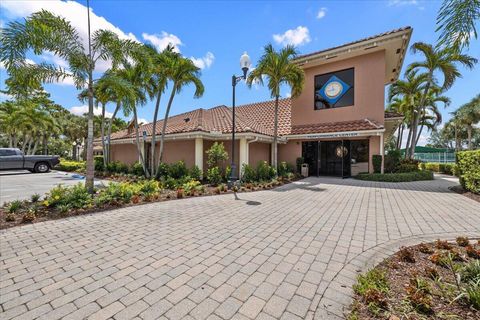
(457, 23)
(469, 115)
(279, 69)
(216, 155)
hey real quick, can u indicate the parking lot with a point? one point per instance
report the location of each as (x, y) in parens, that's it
(22, 184)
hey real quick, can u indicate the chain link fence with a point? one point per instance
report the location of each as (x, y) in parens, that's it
(440, 157)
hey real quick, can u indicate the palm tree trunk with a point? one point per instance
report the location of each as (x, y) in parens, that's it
(164, 129)
(45, 147)
(419, 134)
(456, 138)
(469, 137)
(154, 134)
(14, 140)
(35, 146)
(416, 116)
(275, 134)
(137, 138)
(109, 132)
(90, 168)
(10, 141)
(102, 132)
(25, 141)
(401, 137)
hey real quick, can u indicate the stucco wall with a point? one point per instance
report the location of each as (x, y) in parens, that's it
(258, 152)
(126, 153)
(176, 150)
(374, 148)
(369, 92)
(290, 151)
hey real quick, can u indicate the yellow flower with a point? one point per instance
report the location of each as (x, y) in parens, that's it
(45, 203)
(57, 197)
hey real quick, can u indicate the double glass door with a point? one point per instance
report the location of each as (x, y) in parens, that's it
(329, 158)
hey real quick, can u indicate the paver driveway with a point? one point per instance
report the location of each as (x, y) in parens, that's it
(289, 253)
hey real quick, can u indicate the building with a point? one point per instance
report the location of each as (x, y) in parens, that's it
(337, 124)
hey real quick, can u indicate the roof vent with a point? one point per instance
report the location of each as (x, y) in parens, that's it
(186, 120)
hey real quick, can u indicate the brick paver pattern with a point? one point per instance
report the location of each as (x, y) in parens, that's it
(288, 253)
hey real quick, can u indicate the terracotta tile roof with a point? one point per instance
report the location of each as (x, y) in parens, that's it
(353, 42)
(356, 125)
(255, 118)
(392, 114)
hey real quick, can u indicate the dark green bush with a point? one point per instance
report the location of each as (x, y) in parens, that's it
(137, 169)
(248, 173)
(117, 167)
(468, 165)
(377, 163)
(299, 163)
(195, 173)
(284, 169)
(396, 177)
(408, 165)
(265, 172)
(178, 170)
(99, 165)
(392, 160)
(162, 171)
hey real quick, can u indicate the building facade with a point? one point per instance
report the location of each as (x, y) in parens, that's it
(336, 124)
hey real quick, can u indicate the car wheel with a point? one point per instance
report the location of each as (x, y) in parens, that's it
(42, 167)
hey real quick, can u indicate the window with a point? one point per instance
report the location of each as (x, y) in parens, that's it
(334, 89)
(7, 152)
(359, 150)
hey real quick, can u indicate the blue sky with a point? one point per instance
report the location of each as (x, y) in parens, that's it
(216, 33)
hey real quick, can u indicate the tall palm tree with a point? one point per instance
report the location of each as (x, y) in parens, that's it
(468, 115)
(161, 70)
(182, 72)
(44, 31)
(457, 21)
(436, 60)
(430, 116)
(279, 69)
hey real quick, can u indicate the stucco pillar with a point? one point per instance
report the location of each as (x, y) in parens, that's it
(199, 153)
(243, 155)
(382, 151)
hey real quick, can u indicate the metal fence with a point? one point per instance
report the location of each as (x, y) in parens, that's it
(440, 157)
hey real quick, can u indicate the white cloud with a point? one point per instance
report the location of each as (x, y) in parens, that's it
(52, 58)
(81, 110)
(296, 37)
(398, 3)
(72, 11)
(321, 13)
(161, 41)
(4, 96)
(204, 62)
(143, 121)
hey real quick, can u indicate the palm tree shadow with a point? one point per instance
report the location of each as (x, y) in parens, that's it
(248, 202)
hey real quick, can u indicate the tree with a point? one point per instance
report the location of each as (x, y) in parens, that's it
(468, 115)
(44, 31)
(279, 69)
(182, 72)
(456, 22)
(436, 60)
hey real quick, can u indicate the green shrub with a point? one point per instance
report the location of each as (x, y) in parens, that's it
(149, 188)
(299, 163)
(248, 173)
(447, 168)
(265, 172)
(373, 279)
(177, 170)
(118, 193)
(14, 206)
(227, 174)
(214, 176)
(392, 160)
(216, 155)
(284, 169)
(408, 165)
(76, 196)
(190, 187)
(396, 177)
(377, 163)
(137, 169)
(70, 166)
(471, 271)
(35, 197)
(99, 164)
(170, 183)
(468, 165)
(195, 173)
(117, 167)
(162, 171)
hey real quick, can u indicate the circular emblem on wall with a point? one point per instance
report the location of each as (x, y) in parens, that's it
(341, 151)
(333, 89)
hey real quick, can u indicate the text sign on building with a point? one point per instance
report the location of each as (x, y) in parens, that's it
(332, 135)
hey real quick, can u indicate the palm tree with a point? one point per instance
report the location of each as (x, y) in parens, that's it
(161, 70)
(468, 115)
(456, 22)
(443, 61)
(430, 116)
(279, 69)
(44, 31)
(182, 72)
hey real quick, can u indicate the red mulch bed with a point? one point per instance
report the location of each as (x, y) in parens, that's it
(399, 274)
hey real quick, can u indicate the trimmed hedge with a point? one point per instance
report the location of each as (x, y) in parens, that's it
(396, 177)
(70, 166)
(468, 164)
(447, 168)
(377, 163)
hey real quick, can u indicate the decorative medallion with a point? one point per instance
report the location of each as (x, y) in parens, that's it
(333, 89)
(341, 151)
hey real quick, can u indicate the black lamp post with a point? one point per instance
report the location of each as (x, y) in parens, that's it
(245, 65)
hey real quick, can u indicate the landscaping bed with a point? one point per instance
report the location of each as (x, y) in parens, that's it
(459, 189)
(439, 280)
(397, 176)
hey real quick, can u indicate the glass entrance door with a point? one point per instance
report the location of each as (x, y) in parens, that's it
(327, 158)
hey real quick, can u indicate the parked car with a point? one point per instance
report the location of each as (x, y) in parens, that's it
(14, 159)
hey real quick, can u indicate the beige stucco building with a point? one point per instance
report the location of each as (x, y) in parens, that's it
(337, 124)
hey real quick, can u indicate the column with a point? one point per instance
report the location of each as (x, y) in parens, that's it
(382, 151)
(199, 153)
(243, 155)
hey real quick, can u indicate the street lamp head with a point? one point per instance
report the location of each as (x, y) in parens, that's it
(245, 64)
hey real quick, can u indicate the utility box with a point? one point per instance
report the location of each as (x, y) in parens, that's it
(305, 170)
